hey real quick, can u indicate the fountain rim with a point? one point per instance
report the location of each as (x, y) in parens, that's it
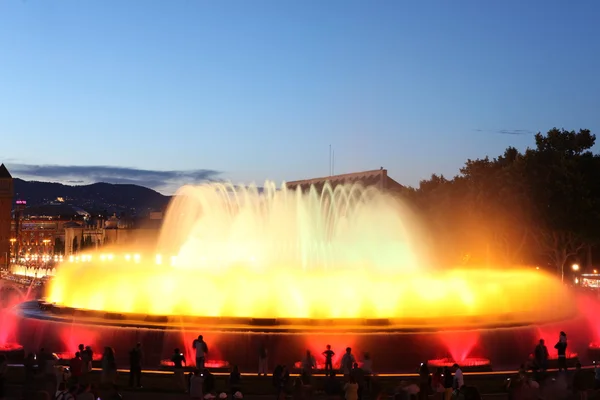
(42, 310)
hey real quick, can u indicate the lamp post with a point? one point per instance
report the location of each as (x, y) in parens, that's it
(575, 268)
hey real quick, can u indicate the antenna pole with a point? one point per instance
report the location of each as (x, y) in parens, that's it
(330, 160)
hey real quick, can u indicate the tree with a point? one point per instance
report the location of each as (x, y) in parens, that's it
(559, 246)
(518, 207)
(75, 245)
(563, 177)
(499, 205)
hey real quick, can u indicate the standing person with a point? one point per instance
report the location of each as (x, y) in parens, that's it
(448, 381)
(178, 360)
(368, 368)
(263, 360)
(196, 383)
(76, 365)
(579, 383)
(109, 366)
(424, 381)
(359, 377)
(540, 360)
(348, 361)
(201, 351)
(437, 383)
(328, 353)
(235, 381)
(596, 376)
(459, 380)
(3, 369)
(135, 366)
(351, 389)
(308, 364)
(561, 348)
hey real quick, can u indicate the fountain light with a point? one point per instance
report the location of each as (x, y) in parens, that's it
(468, 364)
(252, 248)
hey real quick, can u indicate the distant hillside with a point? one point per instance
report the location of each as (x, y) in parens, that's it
(94, 198)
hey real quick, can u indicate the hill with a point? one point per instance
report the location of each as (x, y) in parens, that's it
(94, 198)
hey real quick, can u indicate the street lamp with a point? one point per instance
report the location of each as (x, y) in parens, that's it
(575, 267)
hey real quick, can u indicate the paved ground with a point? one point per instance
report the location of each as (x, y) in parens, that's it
(15, 392)
(161, 385)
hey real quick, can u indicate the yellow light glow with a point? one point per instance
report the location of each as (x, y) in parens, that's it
(127, 257)
(343, 253)
(575, 267)
(337, 294)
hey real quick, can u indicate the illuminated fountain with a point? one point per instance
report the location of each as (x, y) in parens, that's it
(343, 265)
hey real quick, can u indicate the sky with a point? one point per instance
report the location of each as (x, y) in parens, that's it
(164, 93)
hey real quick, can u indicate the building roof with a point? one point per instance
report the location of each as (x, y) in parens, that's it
(378, 177)
(4, 174)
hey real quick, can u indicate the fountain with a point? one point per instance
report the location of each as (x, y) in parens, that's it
(342, 265)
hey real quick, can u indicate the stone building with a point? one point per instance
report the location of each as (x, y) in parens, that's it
(378, 178)
(6, 199)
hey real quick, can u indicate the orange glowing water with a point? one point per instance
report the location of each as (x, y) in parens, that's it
(343, 253)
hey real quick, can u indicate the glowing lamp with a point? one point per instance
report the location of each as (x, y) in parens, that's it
(575, 267)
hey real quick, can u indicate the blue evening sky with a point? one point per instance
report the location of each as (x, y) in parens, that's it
(259, 89)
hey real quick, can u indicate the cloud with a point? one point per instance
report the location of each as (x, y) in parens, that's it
(163, 181)
(515, 132)
(507, 131)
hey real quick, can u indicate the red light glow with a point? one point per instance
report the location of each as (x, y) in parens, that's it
(74, 335)
(9, 347)
(211, 364)
(318, 344)
(459, 344)
(69, 355)
(472, 362)
(590, 309)
(190, 354)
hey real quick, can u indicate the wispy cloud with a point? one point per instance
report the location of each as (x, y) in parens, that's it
(507, 131)
(515, 132)
(164, 181)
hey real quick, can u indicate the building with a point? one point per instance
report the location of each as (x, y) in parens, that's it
(6, 199)
(376, 178)
(89, 235)
(37, 236)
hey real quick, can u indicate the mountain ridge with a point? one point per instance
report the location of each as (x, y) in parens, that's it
(94, 198)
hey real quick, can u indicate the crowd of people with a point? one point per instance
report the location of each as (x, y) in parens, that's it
(348, 379)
